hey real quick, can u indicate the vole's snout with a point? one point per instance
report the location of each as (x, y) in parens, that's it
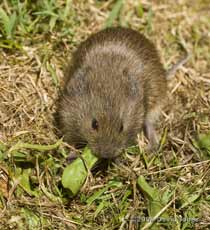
(107, 154)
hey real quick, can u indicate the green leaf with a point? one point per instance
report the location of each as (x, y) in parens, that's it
(53, 73)
(37, 147)
(25, 182)
(114, 13)
(50, 195)
(21, 157)
(103, 204)
(32, 220)
(204, 141)
(97, 194)
(151, 193)
(191, 198)
(75, 174)
(156, 200)
(126, 195)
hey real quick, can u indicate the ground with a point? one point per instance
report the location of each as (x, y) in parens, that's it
(36, 42)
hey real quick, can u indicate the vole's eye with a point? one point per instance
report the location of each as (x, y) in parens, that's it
(121, 128)
(95, 124)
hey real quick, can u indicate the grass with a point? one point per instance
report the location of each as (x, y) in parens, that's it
(36, 41)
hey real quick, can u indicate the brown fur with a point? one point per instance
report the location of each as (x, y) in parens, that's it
(117, 79)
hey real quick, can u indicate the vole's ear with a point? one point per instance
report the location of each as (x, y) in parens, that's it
(131, 82)
(78, 83)
(126, 109)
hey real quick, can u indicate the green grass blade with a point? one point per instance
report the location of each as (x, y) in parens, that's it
(4, 19)
(114, 13)
(7, 22)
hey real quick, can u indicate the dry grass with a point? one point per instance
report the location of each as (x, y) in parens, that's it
(31, 73)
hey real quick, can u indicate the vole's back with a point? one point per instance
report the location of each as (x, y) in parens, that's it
(121, 49)
(116, 79)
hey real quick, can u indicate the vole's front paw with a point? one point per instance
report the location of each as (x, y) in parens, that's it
(152, 137)
(71, 157)
(152, 148)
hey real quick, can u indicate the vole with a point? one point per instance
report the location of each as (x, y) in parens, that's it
(114, 88)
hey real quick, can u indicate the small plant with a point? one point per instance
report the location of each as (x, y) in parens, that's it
(8, 23)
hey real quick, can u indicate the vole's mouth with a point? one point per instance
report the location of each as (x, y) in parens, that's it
(108, 155)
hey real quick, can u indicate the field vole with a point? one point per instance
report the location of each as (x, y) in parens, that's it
(114, 88)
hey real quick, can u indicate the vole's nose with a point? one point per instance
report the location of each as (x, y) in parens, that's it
(107, 155)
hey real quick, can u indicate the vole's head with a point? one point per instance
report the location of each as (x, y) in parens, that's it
(108, 132)
(104, 112)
